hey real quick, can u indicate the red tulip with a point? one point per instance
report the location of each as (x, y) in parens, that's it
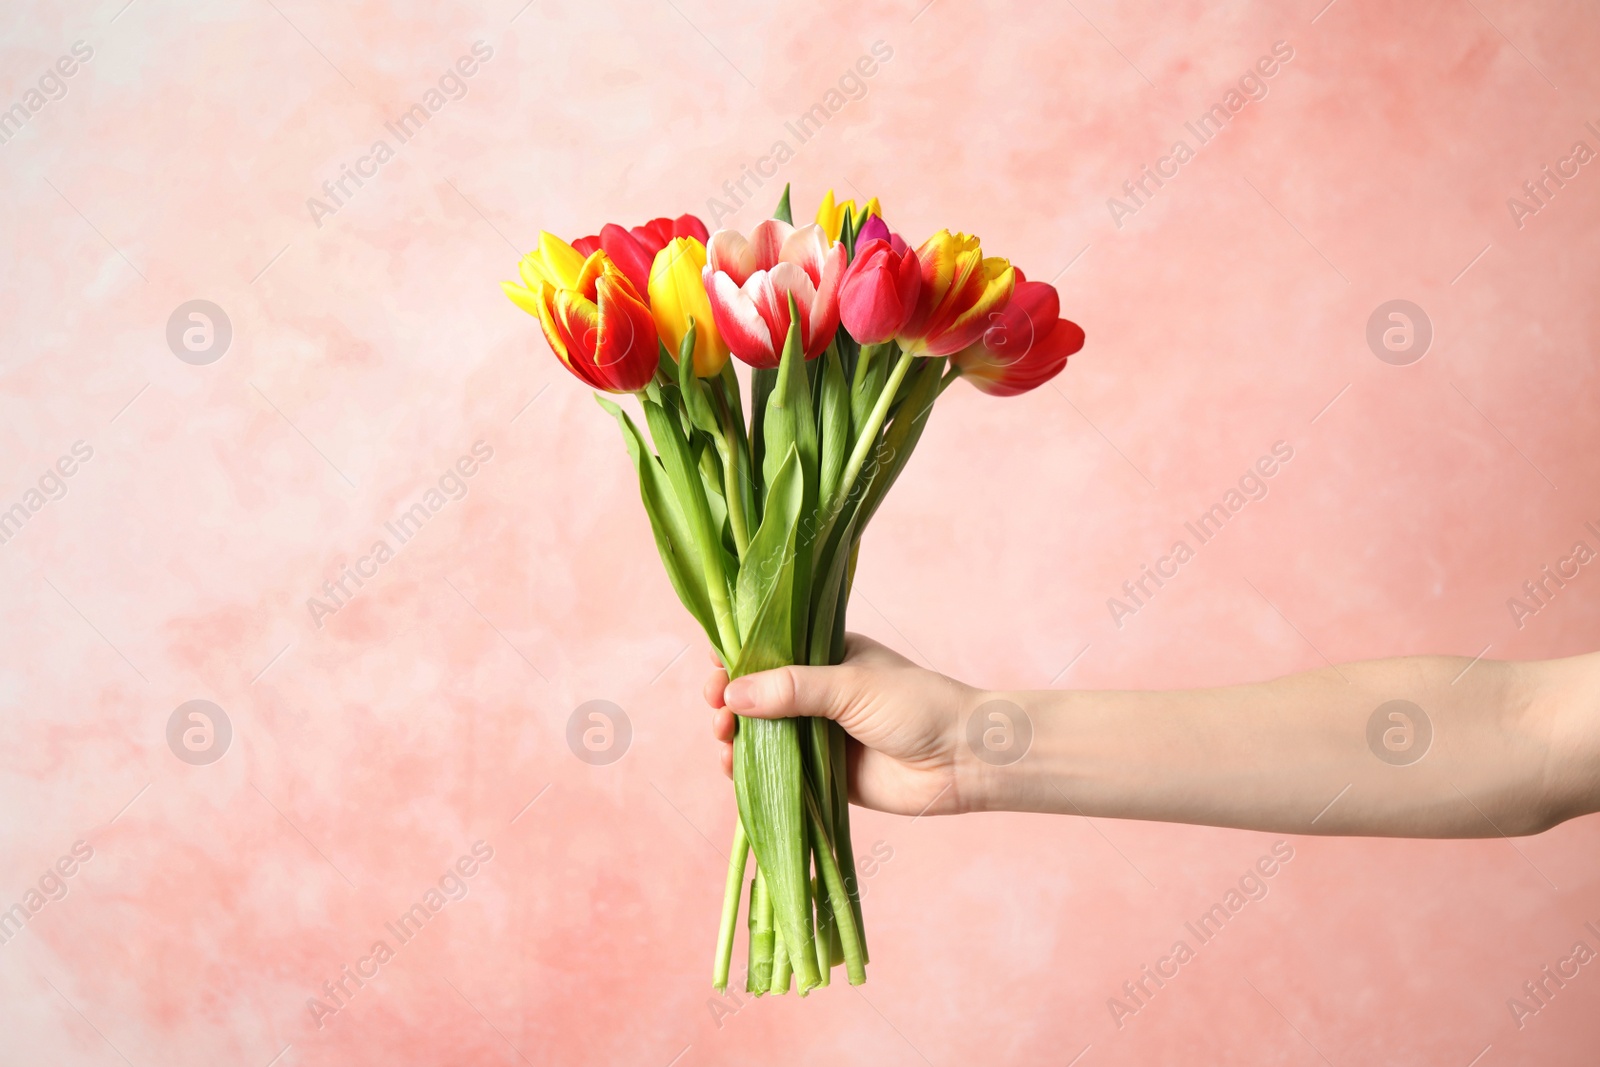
(750, 283)
(878, 292)
(1025, 345)
(634, 250)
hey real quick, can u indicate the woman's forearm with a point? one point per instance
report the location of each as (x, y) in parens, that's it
(1412, 747)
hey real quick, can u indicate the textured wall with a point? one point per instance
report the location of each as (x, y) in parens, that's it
(371, 351)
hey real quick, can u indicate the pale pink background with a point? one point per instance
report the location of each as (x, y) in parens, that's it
(369, 353)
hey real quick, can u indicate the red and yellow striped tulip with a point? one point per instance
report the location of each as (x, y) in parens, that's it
(593, 317)
(960, 291)
(750, 282)
(678, 294)
(635, 250)
(1026, 344)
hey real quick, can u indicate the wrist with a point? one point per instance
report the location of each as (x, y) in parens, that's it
(1007, 755)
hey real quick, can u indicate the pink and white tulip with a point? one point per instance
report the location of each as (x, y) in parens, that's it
(750, 283)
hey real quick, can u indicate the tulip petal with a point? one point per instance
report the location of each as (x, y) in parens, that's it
(628, 253)
(738, 321)
(771, 291)
(807, 247)
(689, 226)
(1043, 361)
(874, 229)
(653, 235)
(559, 261)
(766, 243)
(523, 297)
(993, 283)
(823, 313)
(678, 294)
(729, 253)
(626, 342)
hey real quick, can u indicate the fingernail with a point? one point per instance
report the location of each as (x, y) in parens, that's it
(741, 693)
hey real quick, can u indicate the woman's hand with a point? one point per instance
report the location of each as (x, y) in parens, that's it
(906, 753)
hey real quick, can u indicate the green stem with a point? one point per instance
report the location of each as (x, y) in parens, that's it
(843, 845)
(866, 440)
(737, 858)
(782, 965)
(717, 584)
(838, 896)
(762, 937)
(732, 476)
(827, 932)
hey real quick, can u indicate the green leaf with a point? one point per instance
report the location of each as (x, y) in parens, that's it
(790, 421)
(683, 475)
(783, 212)
(708, 463)
(674, 541)
(770, 557)
(696, 394)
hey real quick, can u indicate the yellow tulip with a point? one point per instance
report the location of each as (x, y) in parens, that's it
(831, 215)
(677, 294)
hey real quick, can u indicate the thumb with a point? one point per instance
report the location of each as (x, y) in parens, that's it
(790, 691)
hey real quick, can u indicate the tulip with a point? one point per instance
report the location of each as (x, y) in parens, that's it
(678, 294)
(1026, 345)
(593, 317)
(875, 229)
(831, 216)
(636, 249)
(750, 283)
(878, 292)
(960, 291)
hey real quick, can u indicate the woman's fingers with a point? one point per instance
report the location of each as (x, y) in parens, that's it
(788, 691)
(715, 686)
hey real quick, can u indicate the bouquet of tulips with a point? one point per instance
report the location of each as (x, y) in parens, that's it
(851, 336)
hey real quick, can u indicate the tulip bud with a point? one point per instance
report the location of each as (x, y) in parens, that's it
(831, 215)
(879, 290)
(875, 229)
